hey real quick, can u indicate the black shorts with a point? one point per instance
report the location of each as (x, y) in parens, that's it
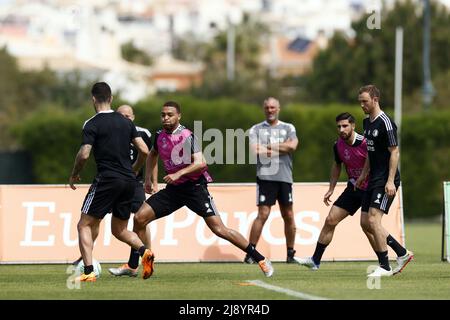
(377, 198)
(139, 197)
(109, 195)
(350, 199)
(268, 192)
(193, 195)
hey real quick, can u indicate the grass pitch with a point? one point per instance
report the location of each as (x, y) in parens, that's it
(424, 278)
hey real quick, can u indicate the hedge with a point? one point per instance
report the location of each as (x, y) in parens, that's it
(53, 138)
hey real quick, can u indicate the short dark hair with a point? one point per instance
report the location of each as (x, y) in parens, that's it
(345, 116)
(172, 104)
(371, 90)
(101, 92)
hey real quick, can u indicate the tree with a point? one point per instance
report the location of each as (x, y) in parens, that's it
(189, 48)
(23, 92)
(251, 79)
(134, 54)
(369, 57)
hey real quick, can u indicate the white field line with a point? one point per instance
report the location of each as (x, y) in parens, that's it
(288, 292)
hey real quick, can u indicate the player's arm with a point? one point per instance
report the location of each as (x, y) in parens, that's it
(151, 171)
(286, 147)
(154, 178)
(143, 151)
(334, 177)
(260, 150)
(257, 148)
(80, 161)
(198, 163)
(393, 164)
(364, 173)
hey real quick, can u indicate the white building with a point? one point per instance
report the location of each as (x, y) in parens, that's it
(88, 34)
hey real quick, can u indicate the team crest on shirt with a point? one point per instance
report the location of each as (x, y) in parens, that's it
(164, 143)
(375, 133)
(346, 154)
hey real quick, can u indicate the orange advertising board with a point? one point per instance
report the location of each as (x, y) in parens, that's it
(38, 224)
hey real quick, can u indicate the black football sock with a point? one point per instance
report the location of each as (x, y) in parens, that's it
(397, 247)
(320, 249)
(141, 250)
(254, 246)
(88, 269)
(383, 259)
(291, 252)
(133, 261)
(252, 252)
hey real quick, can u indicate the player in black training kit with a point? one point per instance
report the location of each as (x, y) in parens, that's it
(109, 134)
(130, 268)
(382, 164)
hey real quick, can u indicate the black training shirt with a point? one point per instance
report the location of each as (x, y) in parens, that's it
(380, 134)
(110, 135)
(146, 136)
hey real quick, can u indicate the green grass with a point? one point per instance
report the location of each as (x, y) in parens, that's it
(425, 278)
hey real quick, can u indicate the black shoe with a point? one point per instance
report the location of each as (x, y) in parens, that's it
(248, 259)
(290, 258)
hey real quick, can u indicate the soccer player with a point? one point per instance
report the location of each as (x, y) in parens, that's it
(109, 135)
(131, 268)
(273, 142)
(350, 149)
(186, 177)
(382, 163)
